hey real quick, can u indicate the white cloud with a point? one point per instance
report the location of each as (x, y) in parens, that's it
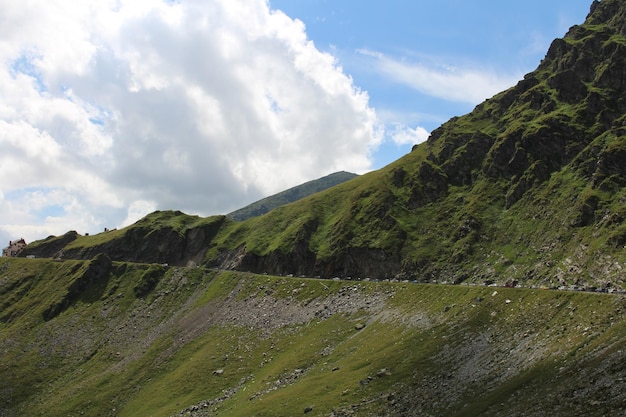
(137, 210)
(110, 108)
(404, 135)
(458, 84)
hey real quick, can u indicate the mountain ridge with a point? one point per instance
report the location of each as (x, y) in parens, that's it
(528, 187)
(290, 195)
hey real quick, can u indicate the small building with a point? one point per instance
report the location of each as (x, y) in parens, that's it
(15, 247)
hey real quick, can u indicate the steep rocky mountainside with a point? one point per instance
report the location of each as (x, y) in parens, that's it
(296, 193)
(530, 187)
(103, 338)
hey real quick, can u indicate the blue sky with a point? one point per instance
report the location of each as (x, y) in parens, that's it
(110, 110)
(502, 40)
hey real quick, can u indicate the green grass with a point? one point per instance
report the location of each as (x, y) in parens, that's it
(174, 220)
(160, 353)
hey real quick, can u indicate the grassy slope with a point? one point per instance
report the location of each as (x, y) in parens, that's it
(176, 221)
(243, 344)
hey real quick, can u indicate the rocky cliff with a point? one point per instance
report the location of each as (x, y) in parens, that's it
(167, 237)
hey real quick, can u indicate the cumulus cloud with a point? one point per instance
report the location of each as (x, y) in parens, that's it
(459, 84)
(404, 135)
(112, 108)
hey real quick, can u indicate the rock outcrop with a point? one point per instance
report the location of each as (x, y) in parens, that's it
(167, 237)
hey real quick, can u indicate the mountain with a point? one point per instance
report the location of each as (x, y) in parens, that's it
(296, 193)
(527, 188)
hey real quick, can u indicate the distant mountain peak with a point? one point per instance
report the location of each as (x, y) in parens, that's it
(296, 193)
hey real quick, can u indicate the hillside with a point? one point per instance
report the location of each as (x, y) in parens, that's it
(296, 193)
(180, 315)
(528, 188)
(104, 338)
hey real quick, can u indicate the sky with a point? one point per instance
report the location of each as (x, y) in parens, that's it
(112, 109)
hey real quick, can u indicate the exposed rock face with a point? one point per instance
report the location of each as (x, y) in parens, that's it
(430, 185)
(461, 162)
(357, 263)
(157, 246)
(149, 242)
(300, 261)
(97, 270)
(50, 246)
(588, 60)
